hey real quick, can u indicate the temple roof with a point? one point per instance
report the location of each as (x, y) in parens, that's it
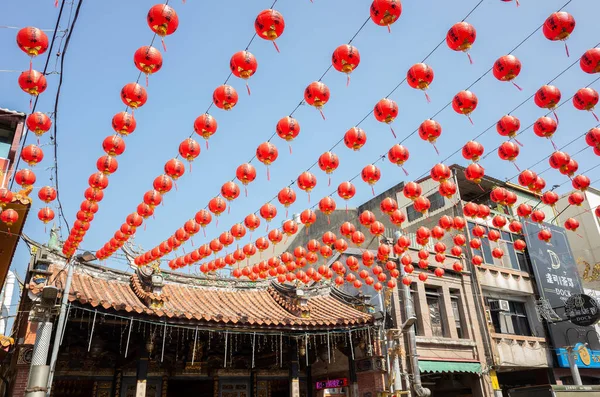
(187, 298)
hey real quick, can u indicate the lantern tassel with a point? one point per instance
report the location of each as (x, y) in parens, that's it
(595, 116)
(246, 190)
(30, 64)
(175, 184)
(229, 209)
(217, 223)
(553, 144)
(427, 97)
(347, 80)
(204, 230)
(286, 212)
(162, 40)
(518, 142)
(146, 80)
(31, 102)
(267, 227)
(247, 87)
(393, 132)
(567, 49)
(56, 3)
(470, 59)
(405, 172)
(322, 115)
(192, 241)
(290, 146)
(482, 189)
(470, 119)
(517, 3)
(436, 149)
(308, 196)
(329, 183)
(346, 208)
(373, 190)
(207, 144)
(144, 227)
(516, 166)
(328, 220)
(268, 174)
(190, 167)
(389, 29)
(275, 44)
(516, 85)
(555, 116)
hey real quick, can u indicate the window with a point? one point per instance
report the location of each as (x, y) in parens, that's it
(6, 137)
(436, 200)
(457, 312)
(511, 259)
(435, 312)
(512, 321)
(414, 296)
(412, 214)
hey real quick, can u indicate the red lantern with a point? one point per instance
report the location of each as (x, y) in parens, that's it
(515, 227)
(46, 215)
(113, 145)
(586, 99)
(217, 206)
(346, 190)
(419, 76)
(107, 165)
(328, 162)
(465, 102)
(358, 238)
(497, 253)
(507, 68)
(430, 130)
(559, 159)
(230, 191)
(398, 155)
(527, 178)
(307, 181)
(570, 168)
(275, 236)
(152, 198)
(412, 190)
(148, 60)
(32, 154)
(461, 37)
(385, 12)
(290, 228)
(345, 59)
(355, 138)
(559, 26)
(509, 151)
(483, 211)
(445, 222)
(397, 217)
(245, 173)
(26, 178)
(470, 210)
(545, 235)
(509, 126)
(9, 217)
(472, 151)
(162, 19)
(327, 206)
(576, 199)
(308, 217)
(386, 111)
(545, 127)
(590, 61)
(93, 195)
(347, 229)
(571, 224)
(47, 194)
(371, 175)
(447, 189)
(38, 123)
(475, 173)
(524, 210)
(388, 205)
(366, 218)
(174, 168)
(550, 198)
(438, 233)
(499, 195)
(317, 95)
(144, 210)
(458, 223)
(440, 172)
(123, 123)
(268, 211)
(269, 25)
(205, 125)
(238, 231)
(538, 216)
(592, 138)
(243, 65)
(189, 149)
(286, 197)
(422, 204)
(499, 221)
(32, 41)
(225, 97)
(520, 245)
(548, 97)
(581, 182)
(32, 82)
(163, 184)
(134, 95)
(288, 128)
(267, 153)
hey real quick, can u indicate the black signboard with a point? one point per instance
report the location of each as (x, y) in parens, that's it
(557, 279)
(331, 383)
(582, 310)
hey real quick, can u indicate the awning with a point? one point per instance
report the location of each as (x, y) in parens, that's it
(449, 366)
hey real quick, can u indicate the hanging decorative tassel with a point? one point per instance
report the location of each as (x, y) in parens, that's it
(471, 120)
(436, 149)
(516, 166)
(555, 116)
(516, 85)
(247, 87)
(329, 183)
(427, 97)
(268, 174)
(207, 144)
(404, 169)
(246, 190)
(373, 190)
(328, 220)
(518, 143)
(308, 193)
(146, 80)
(347, 80)
(595, 116)
(393, 132)
(553, 144)
(275, 44)
(204, 230)
(567, 49)
(322, 115)
(389, 29)
(470, 59)
(162, 39)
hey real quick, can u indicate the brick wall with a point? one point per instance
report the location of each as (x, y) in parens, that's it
(20, 381)
(370, 383)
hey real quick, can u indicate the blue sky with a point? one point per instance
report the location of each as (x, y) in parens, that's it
(99, 62)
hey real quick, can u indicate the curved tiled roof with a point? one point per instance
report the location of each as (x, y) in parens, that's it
(260, 306)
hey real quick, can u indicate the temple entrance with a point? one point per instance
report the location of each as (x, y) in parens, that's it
(190, 387)
(235, 388)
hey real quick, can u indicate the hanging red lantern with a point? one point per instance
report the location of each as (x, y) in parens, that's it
(267, 153)
(203, 218)
(113, 145)
(497, 253)
(398, 155)
(371, 175)
(572, 224)
(340, 245)
(558, 159)
(459, 223)
(252, 222)
(9, 217)
(25, 178)
(47, 194)
(38, 123)
(134, 95)
(483, 211)
(245, 173)
(388, 205)
(148, 60)
(550, 198)
(438, 233)
(474, 173)
(570, 168)
(268, 211)
(447, 189)
(507, 68)
(445, 222)
(355, 138)
(144, 210)
(358, 238)
(385, 12)
(524, 210)
(317, 95)
(377, 228)
(538, 216)
(527, 178)
(32, 41)
(107, 165)
(152, 198)
(509, 151)
(290, 228)
(46, 215)
(123, 123)
(189, 149)
(329, 238)
(592, 138)
(586, 99)
(261, 244)
(498, 195)
(548, 97)
(286, 197)
(162, 183)
(307, 181)
(269, 25)
(308, 217)
(345, 59)
(472, 151)
(327, 206)
(422, 204)
(420, 76)
(385, 111)
(347, 229)
(545, 235)
(217, 206)
(576, 199)
(93, 195)
(465, 102)
(440, 172)
(559, 26)
(32, 155)
(174, 168)
(470, 210)
(328, 162)
(499, 221)
(581, 182)
(346, 190)
(225, 97)
(590, 61)
(366, 218)
(243, 65)
(238, 231)
(205, 125)
(509, 126)
(412, 190)
(230, 191)
(461, 37)
(430, 130)
(32, 82)
(545, 127)
(275, 236)
(134, 219)
(288, 128)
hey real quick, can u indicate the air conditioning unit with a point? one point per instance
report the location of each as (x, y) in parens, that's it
(504, 306)
(499, 305)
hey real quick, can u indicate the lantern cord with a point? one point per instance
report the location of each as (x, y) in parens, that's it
(516, 85)
(290, 146)
(470, 119)
(347, 80)
(436, 149)
(595, 116)
(393, 132)
(516, 166)
(518, 142)
(555, 115)
(517, 1)
(268, 174)
(567, 49)
(389, 29)
(427, 97)
(321, 111)
(276, 47)
(404, 169)
(247, 87)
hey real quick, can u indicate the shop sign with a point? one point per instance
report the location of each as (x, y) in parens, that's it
(582, 310)
(331, 383)
(584, 357)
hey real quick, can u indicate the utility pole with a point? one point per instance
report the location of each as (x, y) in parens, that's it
(573, 366)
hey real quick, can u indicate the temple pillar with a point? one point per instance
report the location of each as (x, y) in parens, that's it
(294, 371)
(309, 381)
(353, 378)
(142, 371)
